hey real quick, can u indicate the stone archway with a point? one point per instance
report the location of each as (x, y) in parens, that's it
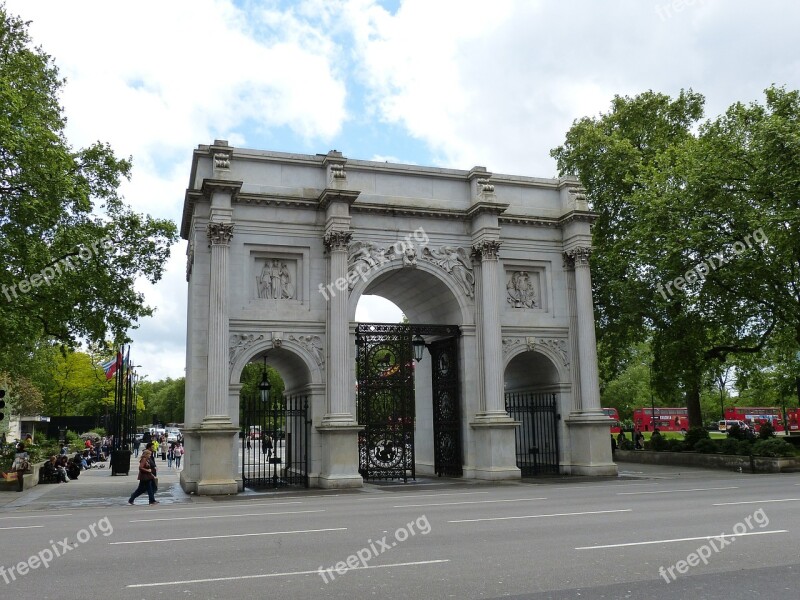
(533, 387)
(281, 246)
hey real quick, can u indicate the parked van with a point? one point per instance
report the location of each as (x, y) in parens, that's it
(728, 423)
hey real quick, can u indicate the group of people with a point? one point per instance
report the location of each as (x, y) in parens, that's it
(172, 452)
(63, 469)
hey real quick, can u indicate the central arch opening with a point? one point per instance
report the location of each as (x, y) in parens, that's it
(410, 408)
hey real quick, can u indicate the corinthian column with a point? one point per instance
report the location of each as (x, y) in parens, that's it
(339, 365)
(219, 234)
(587, 348)
(490, 329)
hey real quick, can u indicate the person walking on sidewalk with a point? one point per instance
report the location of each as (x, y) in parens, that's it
(146, 477)
(178, 455)
(21, 464)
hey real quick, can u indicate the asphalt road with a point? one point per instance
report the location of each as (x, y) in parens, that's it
(562, 538)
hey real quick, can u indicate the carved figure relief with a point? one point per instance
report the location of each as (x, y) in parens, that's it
(313, 344)
(521, 290)
(455, 261)
(275, 282)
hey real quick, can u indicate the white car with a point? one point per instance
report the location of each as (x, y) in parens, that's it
(173, 435)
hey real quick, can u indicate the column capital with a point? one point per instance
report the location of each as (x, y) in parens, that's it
(219, 234)
(337, 240)
(487, 250)
(577, 257)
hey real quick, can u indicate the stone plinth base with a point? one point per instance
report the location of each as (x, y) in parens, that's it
(496, 456)
(590, 446)
(215, 472)
(340, 457)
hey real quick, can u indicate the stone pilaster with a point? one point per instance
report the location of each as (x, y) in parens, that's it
(490, 327)
(340, 396)
(590, 446)
(219, 236)
(587, 349)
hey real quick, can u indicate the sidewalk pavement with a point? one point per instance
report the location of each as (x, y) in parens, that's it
(98, 488)
(95, 487)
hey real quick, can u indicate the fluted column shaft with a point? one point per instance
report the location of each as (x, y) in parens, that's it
(490, 327)
(219, 235)
(339, 393)
(590, 385)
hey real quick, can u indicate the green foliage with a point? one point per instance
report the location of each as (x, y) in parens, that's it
(658, 443)
(672, 193)
(744, 447)
(729, 446)
(675, 445)
(766, 431)
(738, 433)
(164, 398)
(706, 446)
(695, 435)
(774, 447)
(71, 248)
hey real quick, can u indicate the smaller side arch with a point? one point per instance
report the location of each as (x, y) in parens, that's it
(514, 348)
(296, 363)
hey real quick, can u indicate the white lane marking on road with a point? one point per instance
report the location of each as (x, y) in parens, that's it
(677, 491)
(572, 514)
(287, 574)
(231, 535)
(689, 539)
(757, 501)
(59, 515)
(393, 497)
(23, 527)
(286, 512)
(466, 502)
(214, 506)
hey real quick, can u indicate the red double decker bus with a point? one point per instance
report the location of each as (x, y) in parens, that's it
(666, 419)
(755, 416)
(613, 414)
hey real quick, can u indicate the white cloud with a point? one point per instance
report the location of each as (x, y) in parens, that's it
(478, 83)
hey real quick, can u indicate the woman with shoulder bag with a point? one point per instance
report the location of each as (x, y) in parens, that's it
(20, 464)
(145, 477)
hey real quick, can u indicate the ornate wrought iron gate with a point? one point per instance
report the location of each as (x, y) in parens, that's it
(386, 407)
(447, 458)
(385, 370)
(274, 441)
(537, 435)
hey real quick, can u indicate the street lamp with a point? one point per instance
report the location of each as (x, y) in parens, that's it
(419, 347)
(264, 387)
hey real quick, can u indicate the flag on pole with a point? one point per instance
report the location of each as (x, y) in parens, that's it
(110, 366)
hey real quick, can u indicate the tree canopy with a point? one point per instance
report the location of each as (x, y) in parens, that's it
(71, 247)
(696, 244)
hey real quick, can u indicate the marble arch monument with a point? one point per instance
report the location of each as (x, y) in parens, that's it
(281, 247)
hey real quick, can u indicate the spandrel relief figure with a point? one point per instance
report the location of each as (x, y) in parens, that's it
(455, 261)
(521, 292)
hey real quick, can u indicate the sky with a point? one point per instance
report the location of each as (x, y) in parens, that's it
(446, 83)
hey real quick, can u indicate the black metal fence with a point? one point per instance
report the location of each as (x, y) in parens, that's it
(274, 440)
(537, 435)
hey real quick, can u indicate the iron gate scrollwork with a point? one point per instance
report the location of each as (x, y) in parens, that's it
(386, 404)
(385, 371)
(274, 440)
(446, 408)
(537, 435)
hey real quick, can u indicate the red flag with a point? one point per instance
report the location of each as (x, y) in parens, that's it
(111, 366)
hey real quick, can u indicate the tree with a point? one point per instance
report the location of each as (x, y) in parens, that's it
(685, 213)
(71, 248)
